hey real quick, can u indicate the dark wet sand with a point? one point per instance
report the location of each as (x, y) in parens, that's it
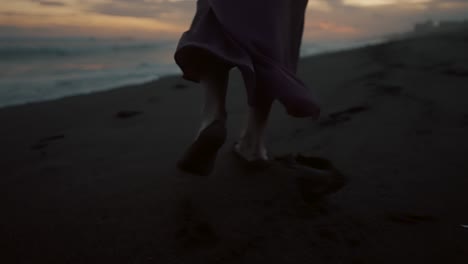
(92, 179)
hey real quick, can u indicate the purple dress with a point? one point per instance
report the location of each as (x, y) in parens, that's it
(261, 38)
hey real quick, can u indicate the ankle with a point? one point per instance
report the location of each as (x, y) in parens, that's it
(251, 147)
(208, 120)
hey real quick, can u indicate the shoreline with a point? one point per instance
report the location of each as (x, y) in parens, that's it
(360, 44)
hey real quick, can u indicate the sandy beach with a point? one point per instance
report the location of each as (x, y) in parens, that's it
(92, 178)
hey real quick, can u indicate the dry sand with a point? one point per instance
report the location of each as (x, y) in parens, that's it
(92, 179)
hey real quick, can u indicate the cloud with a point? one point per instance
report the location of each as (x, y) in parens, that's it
(172, 11)
(21, 14)
(330, 27)
(451, 4)
(378, 3)
(319, 5)
(318, 29)
(324, 18)
(49, 3)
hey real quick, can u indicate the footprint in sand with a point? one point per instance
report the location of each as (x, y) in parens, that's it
(388, 90)
(39, 146)
(424, 132)
(153, 100)
(315, 177)
(180, 86)
(409, 218)
(327, 234)
(457, 72)
(127, 114)
(193, 232)
(464, 120)
(436, 66)
(342, 116)
(375, 76)
(448, 69)
(44, 142)
(397, 65)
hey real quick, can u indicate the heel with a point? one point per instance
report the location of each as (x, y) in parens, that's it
(200, 157)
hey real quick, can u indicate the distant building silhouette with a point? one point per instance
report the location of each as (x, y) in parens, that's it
(431, 26)
(448, 25)
(424, 27)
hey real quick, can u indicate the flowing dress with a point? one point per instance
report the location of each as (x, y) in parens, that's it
(262, 38)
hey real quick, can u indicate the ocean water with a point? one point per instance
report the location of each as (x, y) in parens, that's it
(43, 69)
(39, 69)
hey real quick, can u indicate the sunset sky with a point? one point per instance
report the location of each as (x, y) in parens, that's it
(166, 19)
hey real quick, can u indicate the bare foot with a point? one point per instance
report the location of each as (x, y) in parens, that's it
(200, 157)
(251, 150)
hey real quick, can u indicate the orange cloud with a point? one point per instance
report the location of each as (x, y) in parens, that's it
(169, 18)
(91, 24)
(328, 30)
(452, 5)
(74, 18)
(330, 27)
(319, 5)
(377, 3)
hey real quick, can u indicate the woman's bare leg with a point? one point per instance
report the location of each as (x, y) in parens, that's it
(200, 156)
(252, 142)
(215, 85)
